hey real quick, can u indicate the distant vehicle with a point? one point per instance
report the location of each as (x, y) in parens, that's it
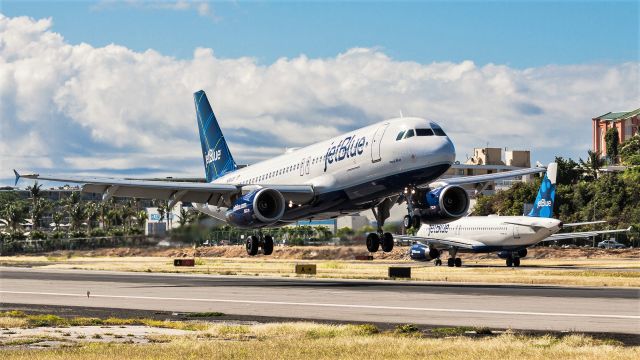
(610, 244)
(508, 236)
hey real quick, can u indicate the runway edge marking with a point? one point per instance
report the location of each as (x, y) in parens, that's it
(379, 307)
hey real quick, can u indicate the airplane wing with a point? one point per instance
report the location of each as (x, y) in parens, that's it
(204, 193)
(478, 179)
(583, 234)
(584, 223)
(451, 242)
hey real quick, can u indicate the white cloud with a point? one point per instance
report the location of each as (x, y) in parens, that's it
(201, 7)
(77, 107)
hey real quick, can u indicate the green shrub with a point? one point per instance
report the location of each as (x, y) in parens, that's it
(97, 232)
(37, 235)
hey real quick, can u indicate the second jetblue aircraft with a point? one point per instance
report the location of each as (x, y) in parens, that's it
(508, 236)
(374, 167)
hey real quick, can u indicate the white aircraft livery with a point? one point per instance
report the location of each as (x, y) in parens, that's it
(374, 167)
(508, 236)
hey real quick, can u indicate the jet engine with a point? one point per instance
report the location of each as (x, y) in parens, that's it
(422, 252)
(256, 209)
(443, 204)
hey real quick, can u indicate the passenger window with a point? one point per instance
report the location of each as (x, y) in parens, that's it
(424, 132)
(400, 135)
(409, 134)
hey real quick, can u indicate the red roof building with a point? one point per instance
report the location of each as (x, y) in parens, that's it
(627, 123)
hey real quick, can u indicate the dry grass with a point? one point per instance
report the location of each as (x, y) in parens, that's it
(578, 272)
(18, 319)
(314, 341)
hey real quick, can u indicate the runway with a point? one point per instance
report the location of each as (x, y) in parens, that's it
(496, 306)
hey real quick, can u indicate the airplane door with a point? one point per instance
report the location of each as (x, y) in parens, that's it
(516, 233)
(376, 142)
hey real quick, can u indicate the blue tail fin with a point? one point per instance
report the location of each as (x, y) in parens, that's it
(543, 207)
(215, 152)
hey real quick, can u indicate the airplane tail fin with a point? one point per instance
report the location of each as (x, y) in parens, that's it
(543, 206)
(215, 152)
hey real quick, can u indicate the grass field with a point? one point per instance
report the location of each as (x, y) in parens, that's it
(578, 272)
(306, 341)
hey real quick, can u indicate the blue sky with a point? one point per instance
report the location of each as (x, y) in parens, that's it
(521, 75)
(519, 34)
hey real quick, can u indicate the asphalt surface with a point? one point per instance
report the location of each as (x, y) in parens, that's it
(612, 310)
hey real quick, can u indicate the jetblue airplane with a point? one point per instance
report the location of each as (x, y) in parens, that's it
(509, 236)
(374, 167)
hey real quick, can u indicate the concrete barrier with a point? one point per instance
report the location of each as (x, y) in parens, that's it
(184, 262)
(399, 272)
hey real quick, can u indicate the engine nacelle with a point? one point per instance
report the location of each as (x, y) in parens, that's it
(444, 203)
(258, 208)
(505, 254)
(422, 252)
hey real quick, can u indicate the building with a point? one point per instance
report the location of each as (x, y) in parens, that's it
(627, 123)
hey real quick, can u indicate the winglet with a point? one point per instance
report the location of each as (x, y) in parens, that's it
(17, 177)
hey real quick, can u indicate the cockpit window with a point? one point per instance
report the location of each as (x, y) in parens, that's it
(410, 133)
(424, 132)
(438, 131)
(400, 135)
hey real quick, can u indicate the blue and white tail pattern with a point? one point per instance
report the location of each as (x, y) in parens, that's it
(215, 152)
(543, 206)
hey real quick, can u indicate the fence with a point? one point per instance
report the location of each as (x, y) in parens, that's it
(11, 247)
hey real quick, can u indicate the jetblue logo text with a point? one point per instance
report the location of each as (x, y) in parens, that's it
(544, 203)
(441, 228)
(213, 156)
(349, 147)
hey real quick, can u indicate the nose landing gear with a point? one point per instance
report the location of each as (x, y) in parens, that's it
(412, 219)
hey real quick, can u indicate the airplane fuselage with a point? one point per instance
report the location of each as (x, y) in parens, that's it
(352, 172)
(493, 233)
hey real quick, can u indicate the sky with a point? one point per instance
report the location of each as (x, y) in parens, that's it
(106, 87)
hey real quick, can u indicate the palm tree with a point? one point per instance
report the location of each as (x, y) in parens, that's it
(186, 217)
(77, 215)
(141, 218)
(92, 212)
(38, 208)
(127, 213)
(36, 212)
(593, 164)
(57, 218)
(15, 214)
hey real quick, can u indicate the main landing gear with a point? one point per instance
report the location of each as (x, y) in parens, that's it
(513, 262)
(380, 238)
(453, 260)
(255, 242)
(412, 219)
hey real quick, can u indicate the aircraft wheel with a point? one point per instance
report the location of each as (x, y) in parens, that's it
(268, 245)
(437, 262)
(458, 262)
(516, 262)
(252, 245)
(387, 242)
(450, 262)
(407, 222)
(509, 262)
(416, 221)
(373, 242)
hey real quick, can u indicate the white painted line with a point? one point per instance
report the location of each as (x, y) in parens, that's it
(351, 306)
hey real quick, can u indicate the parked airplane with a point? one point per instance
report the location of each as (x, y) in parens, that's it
(509, 236)
(373, 167)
